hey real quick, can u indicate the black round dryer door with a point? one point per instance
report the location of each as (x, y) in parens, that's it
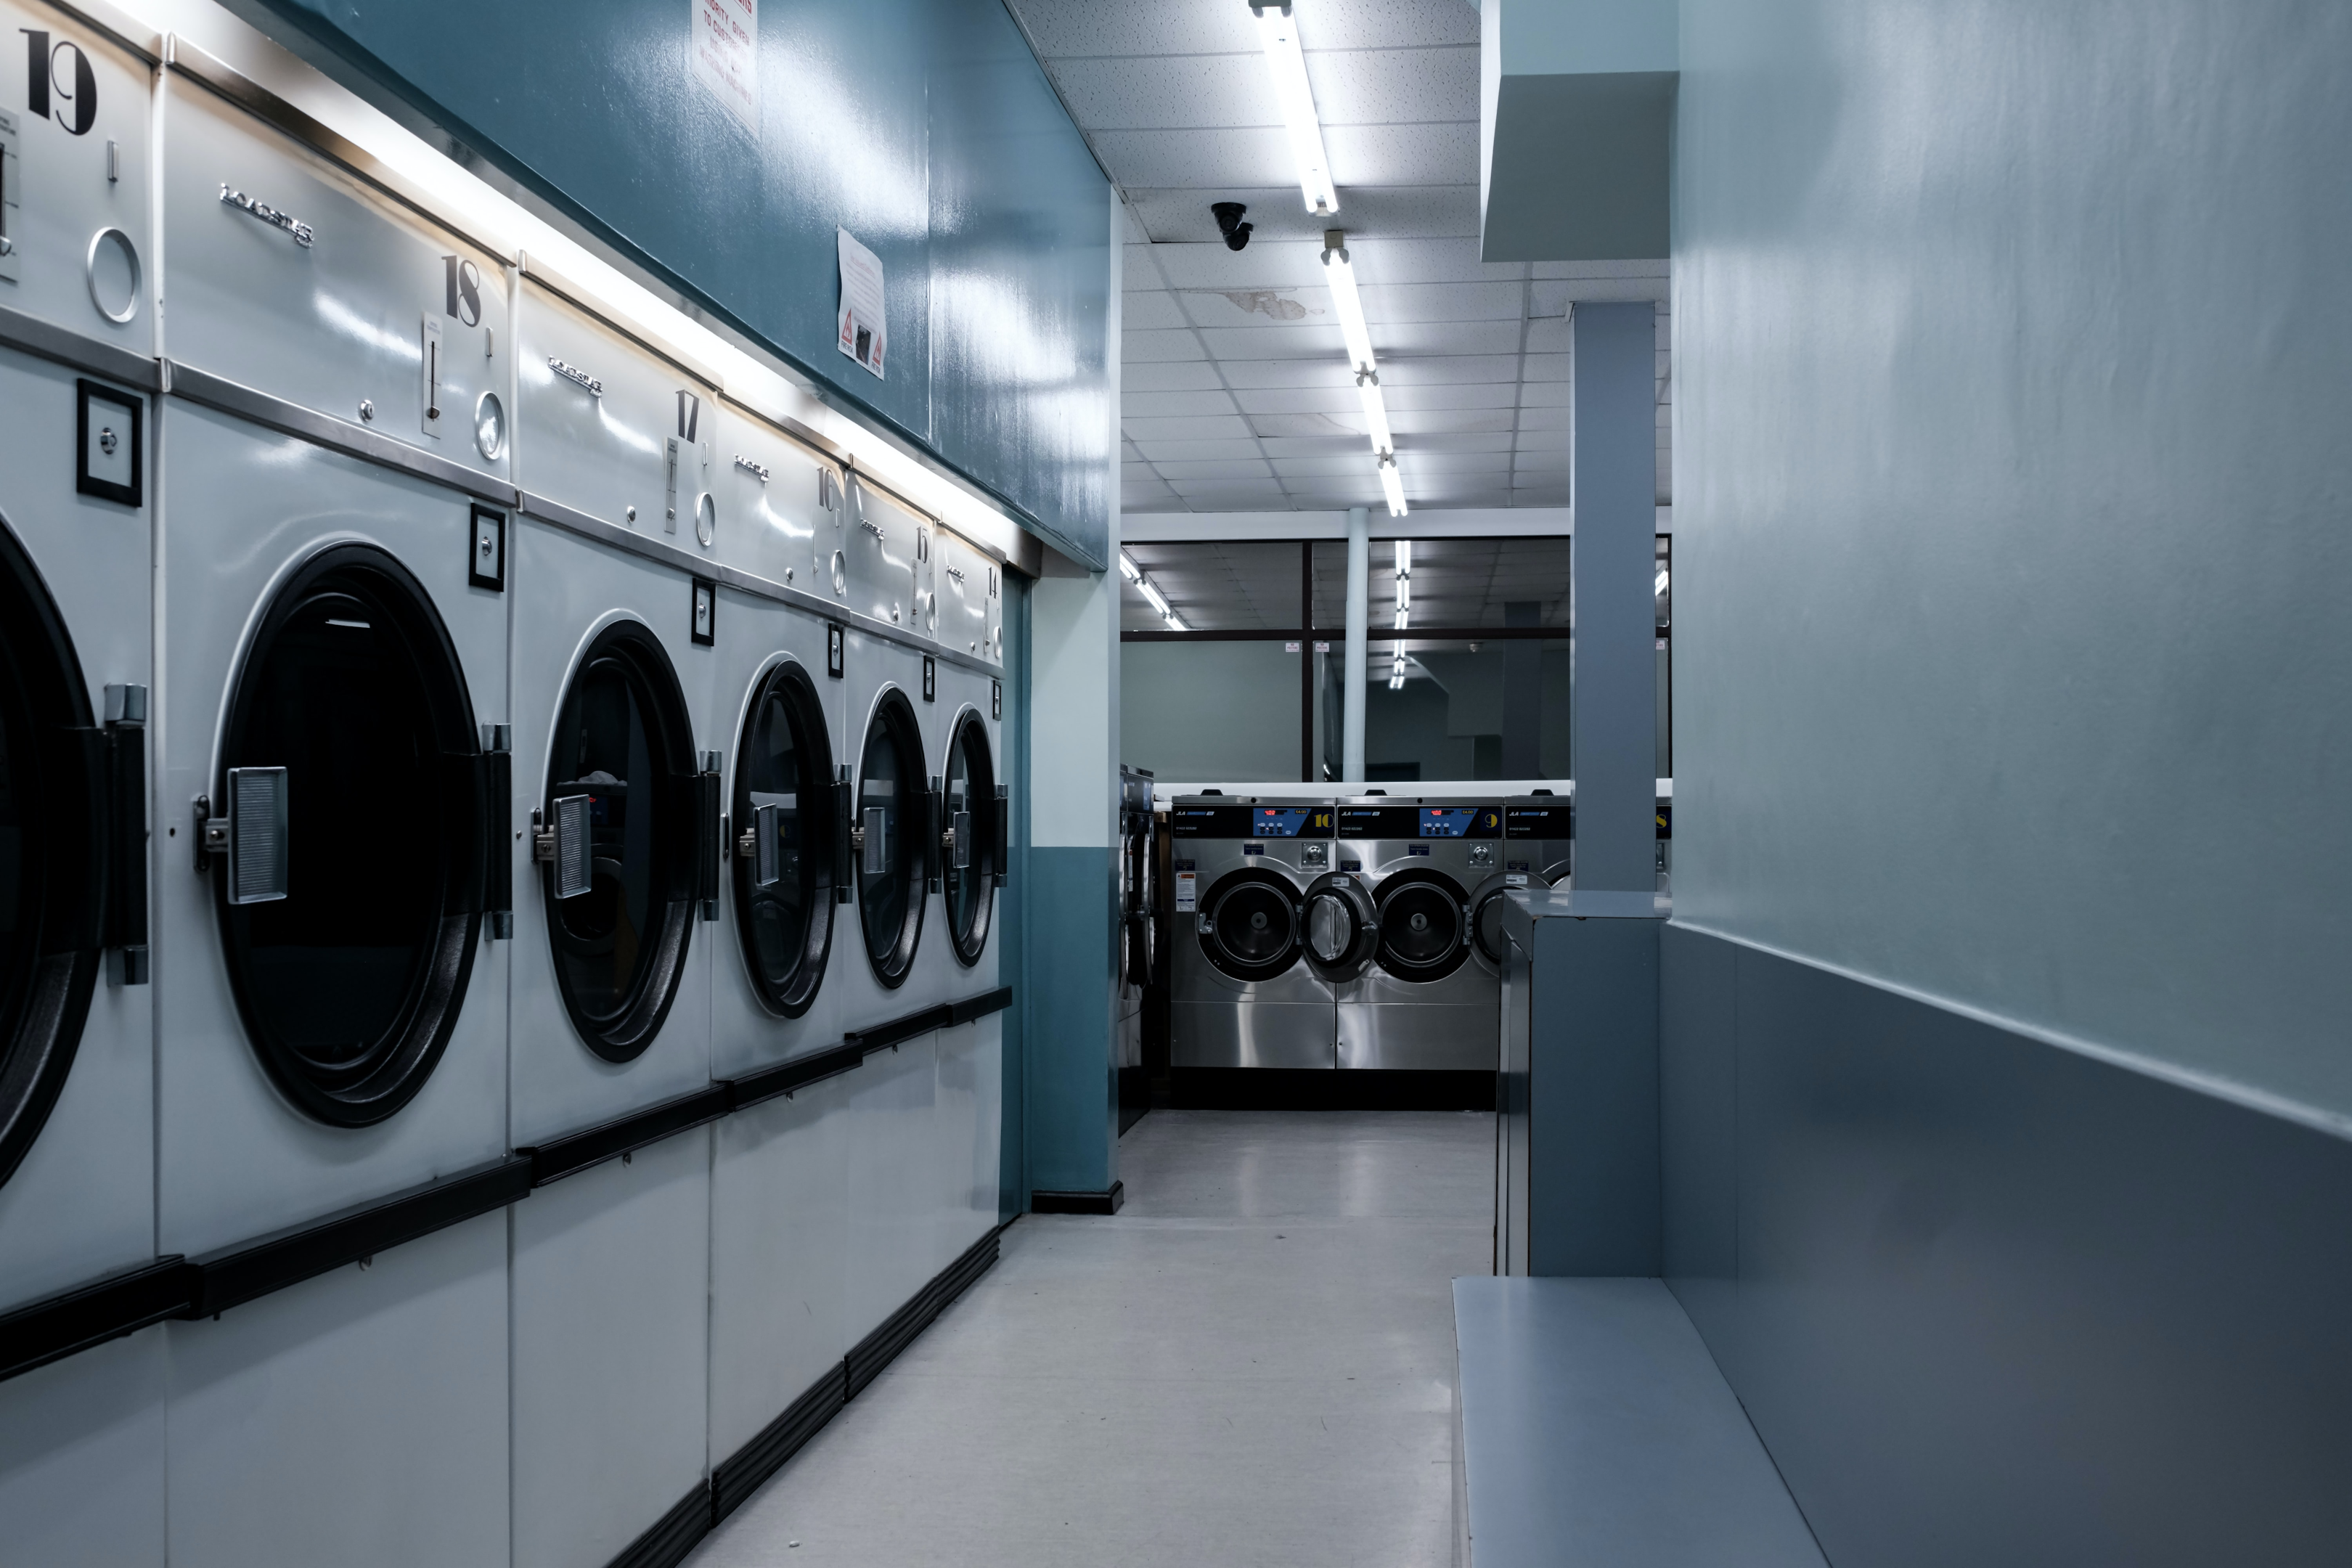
(1425, 925)
(621, 801)
(1249, 924)
(889, 836)
(52, 854)
(1487, 919)
(783, 816)
(970, 855)
(358, 814)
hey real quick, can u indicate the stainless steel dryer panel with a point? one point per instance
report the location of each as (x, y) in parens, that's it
(963, 578)
(877, 543)
(768, 489)
(287, 274)
(72, 177)
(598, 413)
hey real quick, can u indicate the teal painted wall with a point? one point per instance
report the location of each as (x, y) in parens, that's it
(1073, 1089)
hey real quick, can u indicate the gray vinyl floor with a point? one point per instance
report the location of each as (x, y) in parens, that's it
(1252, 1363)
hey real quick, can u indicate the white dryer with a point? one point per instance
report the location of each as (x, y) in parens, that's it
(330, 701)
(82, 1471)
(621, 722)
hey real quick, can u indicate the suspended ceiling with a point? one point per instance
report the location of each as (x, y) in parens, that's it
(1237, 395)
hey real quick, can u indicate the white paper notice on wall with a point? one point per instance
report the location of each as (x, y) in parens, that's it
(725, 46)
(862, 331)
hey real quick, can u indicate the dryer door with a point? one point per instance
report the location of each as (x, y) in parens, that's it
(1487, 938)
(621, 822)
(350, 835)
(1249, 924)
(52, 858)
(969, 853)
(783, 841)
(1343, 926)
(1425, 925)
(890, 837)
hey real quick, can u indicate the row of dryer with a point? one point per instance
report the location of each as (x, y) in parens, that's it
(1362, 932)
(436, 722)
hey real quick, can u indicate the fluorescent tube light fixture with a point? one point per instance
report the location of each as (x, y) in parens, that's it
(1391, 485)
(1376, 411)
(1340, 274)
(1152, 593)
(1278, 32)
(1128, 569)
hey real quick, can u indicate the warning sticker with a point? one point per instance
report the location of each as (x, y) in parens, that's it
(726, 52)
(1187, 892)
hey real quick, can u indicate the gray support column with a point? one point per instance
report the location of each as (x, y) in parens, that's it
(1360, 579)
(1522, 694)
(1614, 706)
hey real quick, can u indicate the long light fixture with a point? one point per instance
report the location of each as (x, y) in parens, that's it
(1403, 610)
(1128, 569)
(1277, 30)
(1391, 485)
(1151, 592)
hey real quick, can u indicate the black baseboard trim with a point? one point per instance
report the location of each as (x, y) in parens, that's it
(1106, 1202)
(1317, 1089)
(878, 1350)
(734, 1479)
(675, 1534)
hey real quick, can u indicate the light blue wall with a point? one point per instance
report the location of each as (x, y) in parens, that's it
(2013, 513)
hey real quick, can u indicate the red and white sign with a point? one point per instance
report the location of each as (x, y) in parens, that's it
(725, 48)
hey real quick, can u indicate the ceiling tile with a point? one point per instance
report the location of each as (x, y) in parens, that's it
(1441, 302)
(1435, 370)
(1217, 427)
(1197, 451)
(1146, 347)
(1445, 260)
(1548, 334)
(1227, 468)
(1442, 337)
(1337, 399)
(1136, 27)
(1560, 367)
(1657, 268)
(1411, 463)
(1148, 311)
(1458, 441)
(1265, 264)
(1259, 307)
(1134, 406)
(1166, 375)
(1328, 466)
(1392, 86)
(1330, 372)
(1552, 298)
(1307, 340)
(1168, 91)
(1266, 489)
(1547, 395)
(1448, 421)
(1540, 495)
(1388, 24)
(1319, 447)
(1344, 425)
(1136, 271)
(1400, 154)
(1197, 160)
(1556, 418)
(1473, 395)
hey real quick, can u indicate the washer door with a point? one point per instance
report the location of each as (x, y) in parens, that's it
(622, 797)
(359, 808)
(1486, 920)
(1249, 924)
(1343, 926)
(1425, 925)
(52, 858)
(969, 853)
(783, 841)
(889, 838)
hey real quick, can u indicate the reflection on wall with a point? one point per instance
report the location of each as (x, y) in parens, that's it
(1197, 712)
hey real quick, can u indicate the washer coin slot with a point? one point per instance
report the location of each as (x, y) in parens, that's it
(109, 427)
(486, 565)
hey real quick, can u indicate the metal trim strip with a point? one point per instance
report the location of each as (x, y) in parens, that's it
(42, 340)
(243, 1273)
(119, 28)
(534, 505)
(55, 1327)
(216, 391)
(231, 86)
(576, 1152)
(789, 1077)
(897, 1031)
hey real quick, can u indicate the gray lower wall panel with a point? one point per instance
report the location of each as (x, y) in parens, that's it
(1990, 1301)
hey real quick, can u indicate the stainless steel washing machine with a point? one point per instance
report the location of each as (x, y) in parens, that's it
(1539, 831)
(1244, 991)
(1138, 932)
(1434, 868)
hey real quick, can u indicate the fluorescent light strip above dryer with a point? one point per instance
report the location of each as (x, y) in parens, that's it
(1287, 65)
(1340, 274)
